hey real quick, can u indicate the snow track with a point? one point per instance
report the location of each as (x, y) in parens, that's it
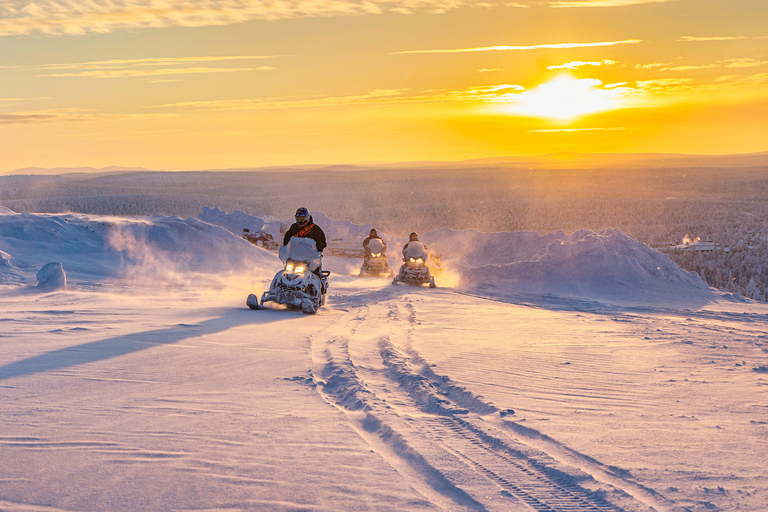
(457, 449)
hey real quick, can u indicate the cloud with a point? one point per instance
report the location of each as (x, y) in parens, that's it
(147, 67)
(696, 39)
(121, 73)
(375, 96)
(67, 115)
(603, 3)
(578, 63)
(66, 17)
(150, 61)
(570, 130)
(745, 63)
(525, 48)
(690, 67)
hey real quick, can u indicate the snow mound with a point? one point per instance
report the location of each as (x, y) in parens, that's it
(233, 222)
(606, 264)
(99, 247)
(9, 274)
(52, 277)
(6, 211)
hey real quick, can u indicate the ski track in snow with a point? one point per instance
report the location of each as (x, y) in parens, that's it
(456, 444)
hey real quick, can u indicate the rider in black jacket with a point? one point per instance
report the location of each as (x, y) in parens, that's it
(304, 227)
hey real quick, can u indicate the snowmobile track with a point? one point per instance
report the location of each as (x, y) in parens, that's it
(432, 429)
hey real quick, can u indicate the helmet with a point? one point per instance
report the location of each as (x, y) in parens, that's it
(413, 237)
(373, 233)
(302, 216)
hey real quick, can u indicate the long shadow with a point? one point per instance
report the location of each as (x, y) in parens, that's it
(130, 343)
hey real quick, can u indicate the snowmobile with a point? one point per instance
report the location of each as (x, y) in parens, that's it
(297, 284)
(260, 239)
(414, 271)
(375, 263)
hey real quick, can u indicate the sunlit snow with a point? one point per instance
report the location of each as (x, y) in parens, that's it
(580, 371)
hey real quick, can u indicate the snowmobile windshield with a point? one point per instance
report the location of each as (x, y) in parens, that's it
(416, 250)
(301, 249)
(376, 245)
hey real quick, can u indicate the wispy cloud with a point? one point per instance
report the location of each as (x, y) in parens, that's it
(652, 65)
(524, 48)
(59, 17)
(571, 130)
(579, 63)
(148, 67)
(698, 39)
(122, 73)
(729, 63)
(66, 115)
(745, 63)
(151, 61)
(375, 96)
(603, 3)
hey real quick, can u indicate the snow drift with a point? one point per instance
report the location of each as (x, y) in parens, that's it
(52, 277)
(607, 264)
(99, 247)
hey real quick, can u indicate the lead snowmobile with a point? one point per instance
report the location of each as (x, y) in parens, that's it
(297, 284)
(414, 271)
(375, 261)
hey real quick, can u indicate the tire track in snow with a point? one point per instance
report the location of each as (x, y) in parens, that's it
(448, 442)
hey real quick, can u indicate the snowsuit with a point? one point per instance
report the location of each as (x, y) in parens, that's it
(310, 230)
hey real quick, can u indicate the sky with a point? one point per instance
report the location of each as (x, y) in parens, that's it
(180, 84)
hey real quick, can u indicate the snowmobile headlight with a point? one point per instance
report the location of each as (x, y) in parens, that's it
(416, 260)
(413, 260)
(298, 269)
(376, 254)
(289, 266)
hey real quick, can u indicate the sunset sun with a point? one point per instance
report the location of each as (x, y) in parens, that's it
(565, 98)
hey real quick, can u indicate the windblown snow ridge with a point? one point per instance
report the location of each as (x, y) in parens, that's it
(607, 264)
(98, 247)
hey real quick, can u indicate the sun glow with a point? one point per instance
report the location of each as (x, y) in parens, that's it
(565, 98)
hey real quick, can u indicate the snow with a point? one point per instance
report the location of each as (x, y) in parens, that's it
(580, 371)
(52, 277)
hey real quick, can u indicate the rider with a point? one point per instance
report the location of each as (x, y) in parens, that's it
(304, 227)
(412, 238)
(371, 236)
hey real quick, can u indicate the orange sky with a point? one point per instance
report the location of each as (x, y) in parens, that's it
(181, 84)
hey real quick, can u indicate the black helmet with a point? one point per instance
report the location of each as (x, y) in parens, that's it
(413, 237)
(302, 216)
(373, 233)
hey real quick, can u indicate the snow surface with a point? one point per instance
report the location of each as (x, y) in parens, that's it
(546, 372)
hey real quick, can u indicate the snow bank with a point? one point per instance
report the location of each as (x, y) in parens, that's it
(602, 265)
(233, 222)
(608, 265)
(52, 277)
(95, 247)
(599, 265)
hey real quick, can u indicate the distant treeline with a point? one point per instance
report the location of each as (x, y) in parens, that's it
(656, 206)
